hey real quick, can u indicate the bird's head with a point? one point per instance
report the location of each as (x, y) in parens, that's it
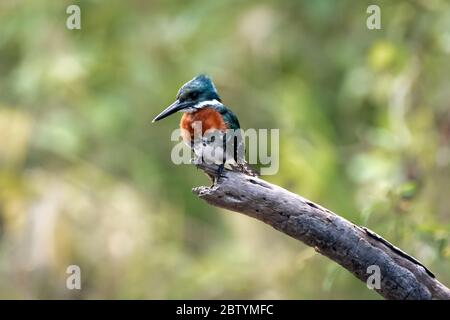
(195, 94)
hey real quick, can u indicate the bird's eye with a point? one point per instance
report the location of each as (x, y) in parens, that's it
(193, 95)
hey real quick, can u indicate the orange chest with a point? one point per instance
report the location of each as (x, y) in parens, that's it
(208, 117)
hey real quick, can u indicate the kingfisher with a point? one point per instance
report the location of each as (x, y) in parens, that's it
(210, 128)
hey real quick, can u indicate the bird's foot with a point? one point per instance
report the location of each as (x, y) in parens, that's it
(197, 161)
(219, 174)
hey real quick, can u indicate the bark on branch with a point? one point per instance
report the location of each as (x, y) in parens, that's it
(353, 247)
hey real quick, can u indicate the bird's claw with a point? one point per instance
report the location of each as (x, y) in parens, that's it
(219, 174)
(196, 161)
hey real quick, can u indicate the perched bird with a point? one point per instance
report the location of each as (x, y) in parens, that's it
(220, 140)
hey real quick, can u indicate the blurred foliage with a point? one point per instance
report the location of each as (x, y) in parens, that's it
(86, 179)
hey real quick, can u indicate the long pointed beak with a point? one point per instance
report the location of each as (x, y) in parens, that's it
(174, 107)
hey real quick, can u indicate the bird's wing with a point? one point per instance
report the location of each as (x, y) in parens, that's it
(229, 117)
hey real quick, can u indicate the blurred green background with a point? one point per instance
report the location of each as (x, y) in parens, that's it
(86, 179)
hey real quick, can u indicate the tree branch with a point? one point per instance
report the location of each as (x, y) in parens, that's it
(353, 247)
